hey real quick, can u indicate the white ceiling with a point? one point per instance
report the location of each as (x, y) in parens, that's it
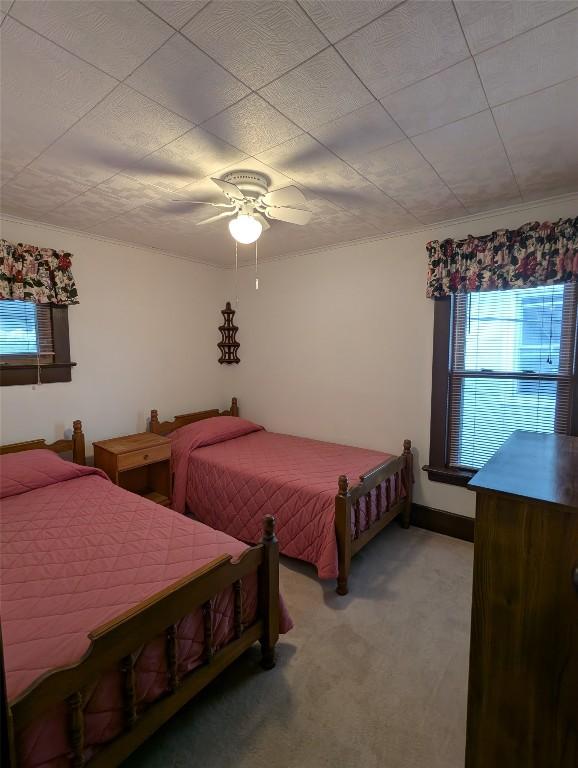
(388, 114)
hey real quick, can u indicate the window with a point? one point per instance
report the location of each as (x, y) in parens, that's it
(503, 361)
(34, 344)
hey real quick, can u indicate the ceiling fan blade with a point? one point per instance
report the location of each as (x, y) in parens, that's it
(291, 196)
(264, 223)
(231, 190)
(292, 215)
(216, 218)
(204, 202)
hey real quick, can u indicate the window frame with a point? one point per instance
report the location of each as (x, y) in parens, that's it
(60, 370)
(438, 469)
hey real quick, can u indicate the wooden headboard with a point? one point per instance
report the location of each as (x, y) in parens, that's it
(75, 445)
(165, 427)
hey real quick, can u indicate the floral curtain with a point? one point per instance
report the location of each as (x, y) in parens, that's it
(536, 254)
(41, 275)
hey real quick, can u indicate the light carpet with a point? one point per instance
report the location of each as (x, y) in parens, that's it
(377, 679)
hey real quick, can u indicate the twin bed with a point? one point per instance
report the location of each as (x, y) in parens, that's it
(117, 611)
(228, 472)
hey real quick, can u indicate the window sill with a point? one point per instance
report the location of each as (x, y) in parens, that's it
(449, 475)
(53, 373)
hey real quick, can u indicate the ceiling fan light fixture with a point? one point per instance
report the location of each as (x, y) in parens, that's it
(245, 229)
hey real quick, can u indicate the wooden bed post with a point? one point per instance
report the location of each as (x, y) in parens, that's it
(269, 592)
(343, 533)
(234, 407)
(408, 479)
(78, 449)
(154, 421)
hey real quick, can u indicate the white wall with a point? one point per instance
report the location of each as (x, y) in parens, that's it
(337, 344)
(143, 336)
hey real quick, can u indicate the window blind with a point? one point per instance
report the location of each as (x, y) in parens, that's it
(25, 333)
(511, 366)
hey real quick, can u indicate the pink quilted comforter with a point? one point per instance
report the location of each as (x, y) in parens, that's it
(230, 472)
(78, 551)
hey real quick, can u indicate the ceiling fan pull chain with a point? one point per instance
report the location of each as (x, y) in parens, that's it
(236, 274)
(256, 266)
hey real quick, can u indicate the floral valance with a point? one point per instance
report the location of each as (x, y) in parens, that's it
(536, 254)
(41, 275)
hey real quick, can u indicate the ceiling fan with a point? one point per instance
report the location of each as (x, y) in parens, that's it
(251, 203)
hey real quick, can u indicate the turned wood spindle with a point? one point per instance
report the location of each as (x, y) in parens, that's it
(238, 594)
(378, 501)
(388, 494)
(128, 690)
(357, 511)
(208, 628)
(171, 650)
(76, 728)
(368, 509)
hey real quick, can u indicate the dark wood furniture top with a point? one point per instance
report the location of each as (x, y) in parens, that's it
(535, 466)
(380, 481)
(523, 679)
(138, 463)
(75, 445)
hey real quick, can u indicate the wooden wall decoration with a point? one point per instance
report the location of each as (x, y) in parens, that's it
(228, 345)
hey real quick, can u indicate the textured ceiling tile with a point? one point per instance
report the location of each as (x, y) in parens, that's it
(450, 95)
(39, 190)
(185, 80)
(252, 125)
(308, 162)
(21, 211)
(429, 215)
(401, 172)
(188, 159)
(338, 18)
(539, 58)
(486, 24)
(125, 126)
(541, 137)
(109, 199)
(114, 36)
(411, 42)
(47, 82)
(318, 91)
(369, 204)
(157, 228)
(176, 12)
(256, 40)
(354, 135)
(469, 157)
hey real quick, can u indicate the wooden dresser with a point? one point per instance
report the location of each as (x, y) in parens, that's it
(523, 682)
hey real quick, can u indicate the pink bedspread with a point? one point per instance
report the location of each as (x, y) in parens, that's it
(231, 472)
(78, 551)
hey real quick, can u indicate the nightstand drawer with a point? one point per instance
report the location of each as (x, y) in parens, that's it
(142, 457)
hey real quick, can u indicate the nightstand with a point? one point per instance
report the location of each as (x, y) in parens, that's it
(139, 463)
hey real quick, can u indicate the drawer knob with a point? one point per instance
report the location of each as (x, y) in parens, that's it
(145, 457)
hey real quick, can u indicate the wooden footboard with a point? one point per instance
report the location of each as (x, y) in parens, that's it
(114, 644)
(383, 493)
